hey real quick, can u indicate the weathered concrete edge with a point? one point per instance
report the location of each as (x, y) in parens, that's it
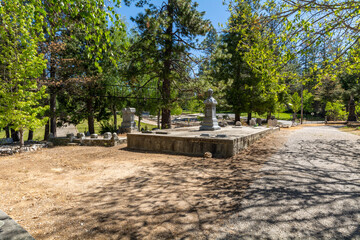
(11, 230)
(64, 141)
(221, 148)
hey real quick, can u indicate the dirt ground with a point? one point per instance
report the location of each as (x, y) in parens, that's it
(113, 193)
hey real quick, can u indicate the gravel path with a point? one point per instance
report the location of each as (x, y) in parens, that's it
(310, 189)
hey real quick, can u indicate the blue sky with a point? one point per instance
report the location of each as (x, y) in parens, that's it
(214, 10)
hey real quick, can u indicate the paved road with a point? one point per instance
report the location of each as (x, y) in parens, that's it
(310, 189)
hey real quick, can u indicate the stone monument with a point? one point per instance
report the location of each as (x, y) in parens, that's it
(210, 122)
(128, 123)
(252, 122)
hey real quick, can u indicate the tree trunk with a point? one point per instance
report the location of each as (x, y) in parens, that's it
(268, 116)
(21, 136)
(166, 88)
(115, 116)
(91, 121)
(158, 119)
(302, 105)
(47, 131)
(249, 118)
(139, 122)
(237, 117)
(7, 131)
(53, 112)
(31, 135)
(15, 135)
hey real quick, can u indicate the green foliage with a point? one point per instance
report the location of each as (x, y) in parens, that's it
(308, 99)
(295, 103)
(107, 126)
(21, 64)
(335, 111)
(176, 109)
(166, 35)
(247, 62)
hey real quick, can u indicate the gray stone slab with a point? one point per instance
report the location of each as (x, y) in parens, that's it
(10, 230)
(195, 142)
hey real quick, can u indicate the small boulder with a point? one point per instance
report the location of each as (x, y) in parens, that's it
(207, 155)
(107, 135)
(80, 135)
(238, 124)
(70, 135)
(114, 137)
(223, 124)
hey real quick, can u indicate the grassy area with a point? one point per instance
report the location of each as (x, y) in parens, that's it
(38, 134)
(352, 130)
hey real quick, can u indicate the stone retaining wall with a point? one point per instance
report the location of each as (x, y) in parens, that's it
(63, 141)
(196, 146)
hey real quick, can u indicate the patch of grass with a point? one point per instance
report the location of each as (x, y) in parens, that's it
(351, 130)
(143, 125)
(38, 134)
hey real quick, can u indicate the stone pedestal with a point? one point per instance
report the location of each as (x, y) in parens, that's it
(210, 123)
(128, 123)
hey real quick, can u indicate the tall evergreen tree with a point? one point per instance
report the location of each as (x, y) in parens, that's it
(167, 33)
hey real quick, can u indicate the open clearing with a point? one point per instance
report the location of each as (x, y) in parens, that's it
(112, 193)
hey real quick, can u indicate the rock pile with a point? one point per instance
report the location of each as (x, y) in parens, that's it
(14, 148)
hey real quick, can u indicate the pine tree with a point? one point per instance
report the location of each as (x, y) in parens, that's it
(167, 34)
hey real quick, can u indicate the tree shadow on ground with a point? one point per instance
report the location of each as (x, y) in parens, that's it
(311, 192)
(184, 200)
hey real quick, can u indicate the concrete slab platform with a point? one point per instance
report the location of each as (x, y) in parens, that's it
(10, 230)
(226, 142)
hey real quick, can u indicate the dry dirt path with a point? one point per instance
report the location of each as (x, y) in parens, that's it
(310, 189)
(111, 193)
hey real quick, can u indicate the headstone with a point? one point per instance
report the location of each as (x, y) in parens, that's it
(252, 122)
(223, 124)
(205, 135)
(352, 115)
(226, 117)
(80, 135)
(258, 121)
(70, 135)
(94, 136)
(114, 137)
(128, 123)
(107, 135)
(210, 122)
(238, 124)
(221, 136)
(161, 132)
(272, 122)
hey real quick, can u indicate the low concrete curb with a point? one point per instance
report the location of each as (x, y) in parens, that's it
(10, 230)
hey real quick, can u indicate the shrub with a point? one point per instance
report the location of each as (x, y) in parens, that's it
(107, 126)
(335, 111)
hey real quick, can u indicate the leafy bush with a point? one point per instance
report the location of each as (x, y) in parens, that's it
(335, 111)
(107, 126)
